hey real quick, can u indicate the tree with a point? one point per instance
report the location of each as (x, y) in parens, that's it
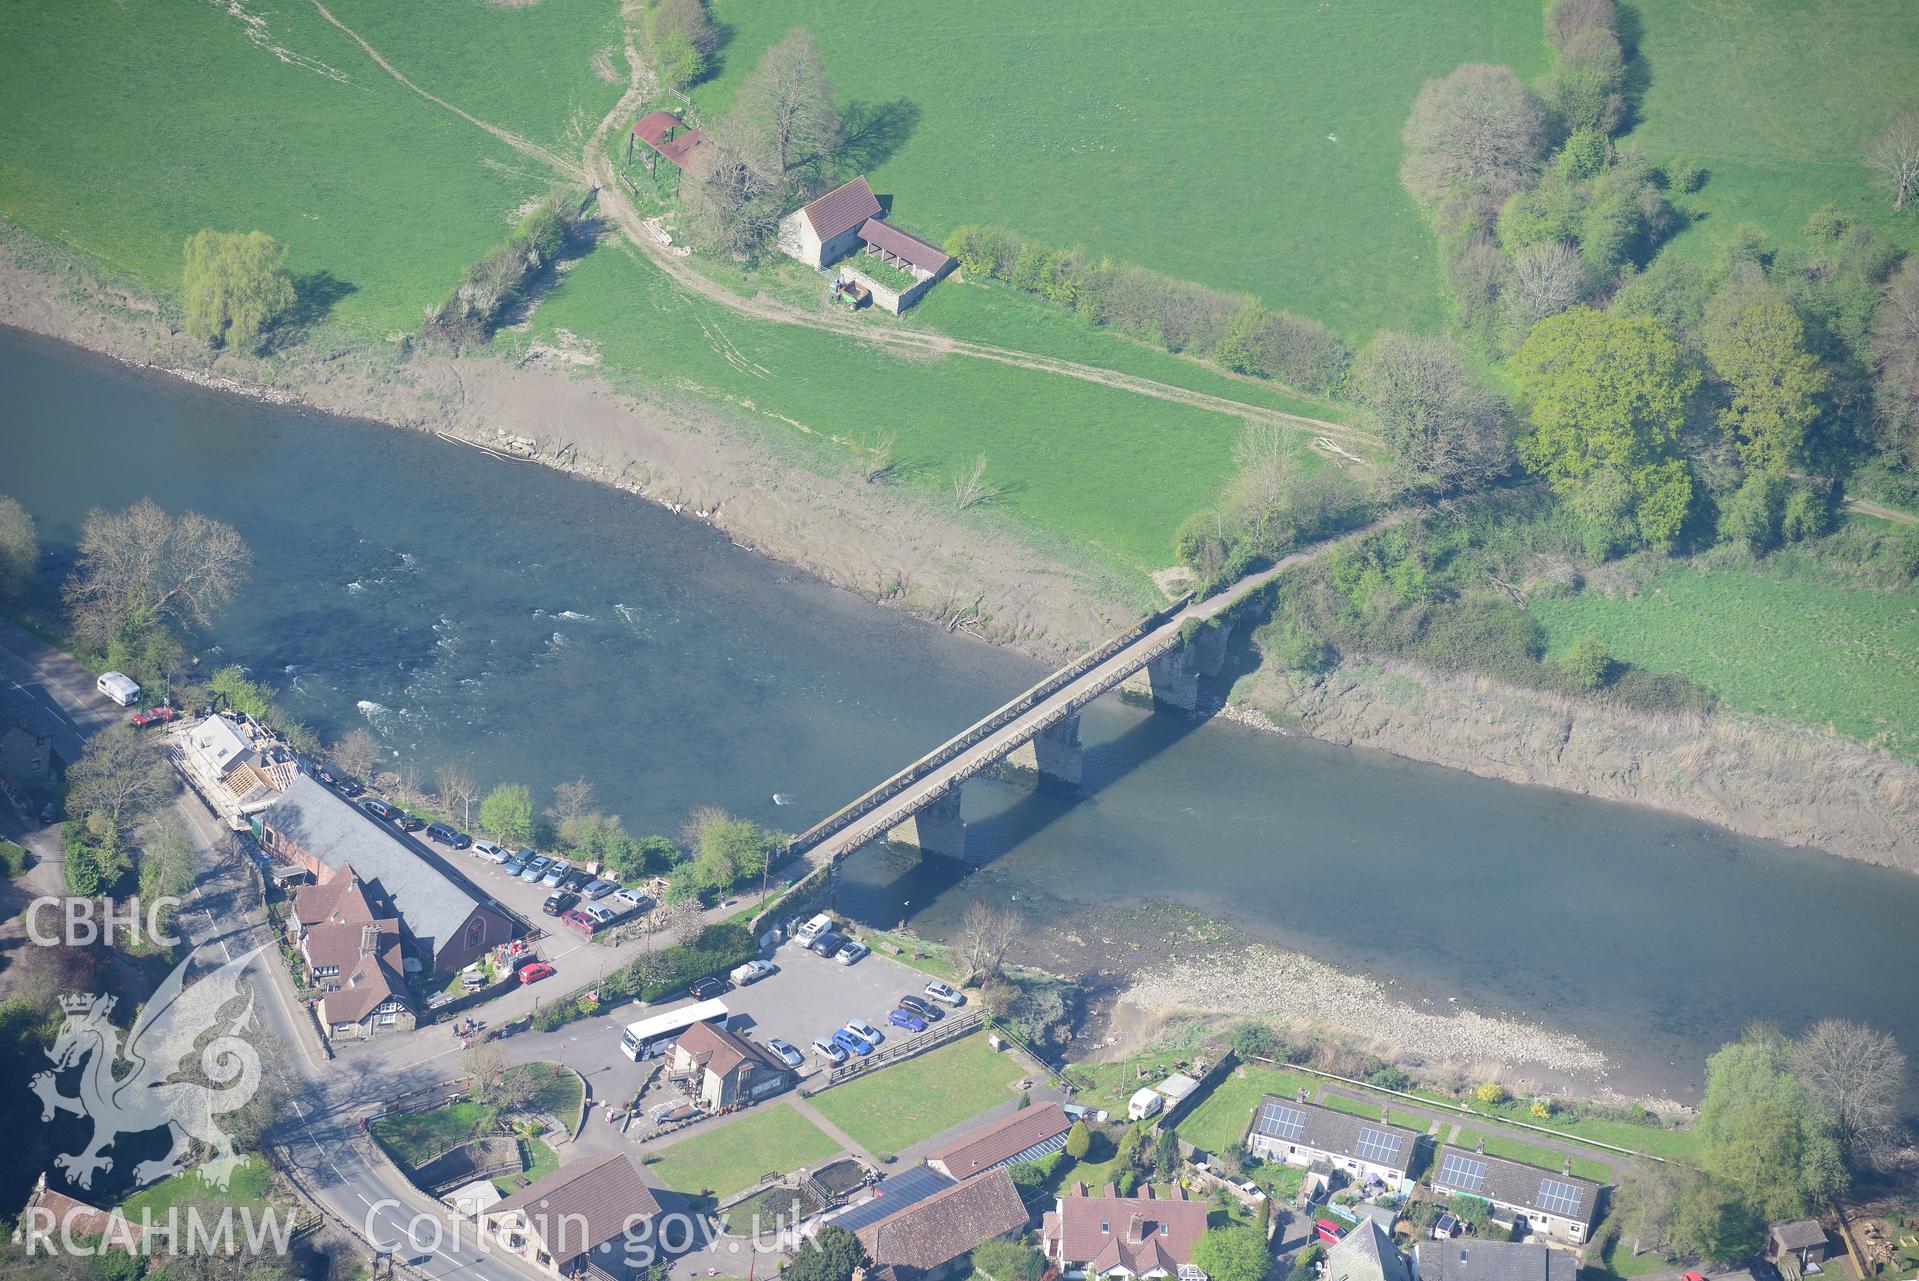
(786, 107)
(1713, 1221)
(121, 775)
(167, 861)
(570, 800)
(19, 547)
(1759, 1133)
(357, 752)
(729, 205)
(142, 570)
(1474, 132)
(1232, 1253)
(1005, 1260)
(1893, 158)
(1757, 346)
(1753, 513)
(238, 694)
(1855, 1077)
(726, 850)
(459, 790)
(1442, 429)
(1543, 280)
(236, 287)
(678, 60)
(1079, 1140)
(1646, 1201)
(682, 37)
(1895, 351)
(1273, 502)
(507, 812)
(1587, 663)
(831, 1254)
(985, 934)
(1608, 394)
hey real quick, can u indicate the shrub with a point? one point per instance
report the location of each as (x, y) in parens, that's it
(1826, 223)
(1390, 1078)
(1684, 175)
(13, 859)
(1079, 1140)
(1753, 514)
(507, 812)
(1808, 515)
(1903, 549)
(1255, 1041)
(1004, 1260)
(1541, 1110)
(1587, 663)
(1492, 1094)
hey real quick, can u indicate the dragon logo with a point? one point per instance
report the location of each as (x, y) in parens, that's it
(169, 1028)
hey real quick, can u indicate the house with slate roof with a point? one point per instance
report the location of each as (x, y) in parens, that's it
(1300, 1133)
(848, 220)
(1471, 1259)
(447, 924)
(1026, 1134)
(1553, 1203)
(1367, 1253)
(590, 1218)
(725, 1069)
(930, 1238)
(1114, 1236)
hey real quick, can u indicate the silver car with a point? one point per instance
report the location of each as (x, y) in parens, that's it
(555, 873)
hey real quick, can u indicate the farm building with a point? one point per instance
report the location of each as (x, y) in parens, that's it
(897, 266)
(828, 229)
(664, 134)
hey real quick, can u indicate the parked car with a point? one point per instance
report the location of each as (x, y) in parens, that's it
(706, 989)
(922, 1007)
(350, 787)
(752, 972)
(576, 880)
(596, 890)
(154, 716)
(577, 919)
(559, 901)
(534, 972)
(514, 865)
(852, 952)
(536, 868)
(631, 898)
(945, 993)
(830, 1050)
(907, 1019)
(445, 835)
(380, 809)
(555, 873)
(848, 1041)
(600, 915)
(1328, 1231)
(829, 943)
(487, 851)
(407, 822)
(789, 1055)
(865, 1031)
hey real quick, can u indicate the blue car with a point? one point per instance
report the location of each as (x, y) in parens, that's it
(907, 1019)
(857, 1044)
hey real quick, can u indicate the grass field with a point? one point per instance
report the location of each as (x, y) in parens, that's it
(417, 1137)
(1776, 99)
(247, 1190)
(725, 1158)
(1811, 652)
(892, 1109)
(1250, 147)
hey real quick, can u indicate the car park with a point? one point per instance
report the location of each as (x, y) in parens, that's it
(380, 809)
(945, 993)
(829, 943)
(922, 1007)
(598, 889)
(787, 1053)
(857, 1044)
(907, 1019)
(852, 952)
(830, 1050)
(446, 835)
(632, 898)
(865, 1031)
(534, 972)
(536, 868)
(752, 972)
(555, 873)
(489, 851)
(706, 989)
(514, 865)
(578, 920)
(558, 901)
(806, 934)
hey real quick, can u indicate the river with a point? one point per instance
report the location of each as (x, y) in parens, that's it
(538, 628)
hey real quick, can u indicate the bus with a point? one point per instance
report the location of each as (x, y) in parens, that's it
(649, 1036)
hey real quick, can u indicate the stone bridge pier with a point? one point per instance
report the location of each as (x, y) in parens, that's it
(936, 829)
(1172, 679)
(1051, 761)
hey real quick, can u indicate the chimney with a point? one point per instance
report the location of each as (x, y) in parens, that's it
(1136, 1229)
(1147, 1192)
(1567, 1169)
(1302, 1094)
(1481, 1147)
(369, 939)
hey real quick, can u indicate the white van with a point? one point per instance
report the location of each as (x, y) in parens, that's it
(813, 929)
(119, 687)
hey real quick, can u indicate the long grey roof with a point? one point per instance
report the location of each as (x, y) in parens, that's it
(1529, 1187)
(1284, 1120)
(337, 832)
(1469, 1259)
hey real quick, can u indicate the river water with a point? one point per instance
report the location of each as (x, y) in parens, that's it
(539, 628)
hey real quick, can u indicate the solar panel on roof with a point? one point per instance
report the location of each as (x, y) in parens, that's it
(1559, 1198)
(1281, 1122)
(1377, 1145)
(1462, 1172)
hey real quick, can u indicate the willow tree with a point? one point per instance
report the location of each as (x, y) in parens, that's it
(236, 287)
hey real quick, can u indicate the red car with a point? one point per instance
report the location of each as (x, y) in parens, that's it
(154, 715)
(534, 972)
(579, 920)
(1328, 1231)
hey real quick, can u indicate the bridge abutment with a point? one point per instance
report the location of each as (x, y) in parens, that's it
(1171, 680)
(1051, 761)
(936, 829)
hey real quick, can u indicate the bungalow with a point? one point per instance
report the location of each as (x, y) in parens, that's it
(1367, 1253)
(447, 923)
(1114, 1236)
(591, 1217)
(350, 941)
(724, 1068)
(928, 1239)
(1554, 1204)
(1027, 1134)
(1300, 1133)
(828, 229)
(1470, 1259)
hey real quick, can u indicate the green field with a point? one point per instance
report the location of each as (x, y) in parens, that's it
(1247, 146)
(247, 1191)
(890, 1110)
(1816, 653)
(1775, 98)
(725, 1158)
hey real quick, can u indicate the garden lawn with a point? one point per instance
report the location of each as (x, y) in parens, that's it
(1219, 1124)
(1811, 652)
(1776, 99)
(890, 1110)
(246, 1191)
(1502, 1145)
(417, 1137)
(726, 1158)
(1247, 146)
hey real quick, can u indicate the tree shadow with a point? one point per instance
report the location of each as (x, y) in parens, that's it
(1638, 73)
(871, 133)
(314, 296)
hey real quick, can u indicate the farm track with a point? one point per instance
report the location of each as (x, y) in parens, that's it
(597, 168)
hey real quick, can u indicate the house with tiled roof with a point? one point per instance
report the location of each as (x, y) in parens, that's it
(931, 1237)
(1552, 1203)
(724, 1069)
(350, 941)
(826, 230)
(1026, 1134)
(1473, 1259)
(590, 1218)
(1300, 1133)
(1110, 1235)
(52, 1221)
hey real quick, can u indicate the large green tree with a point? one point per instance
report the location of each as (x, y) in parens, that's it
(507, 812)
(831, 1255)
(237, 287)
(1760, 1133)
(1607, 396)
(1757, 346)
